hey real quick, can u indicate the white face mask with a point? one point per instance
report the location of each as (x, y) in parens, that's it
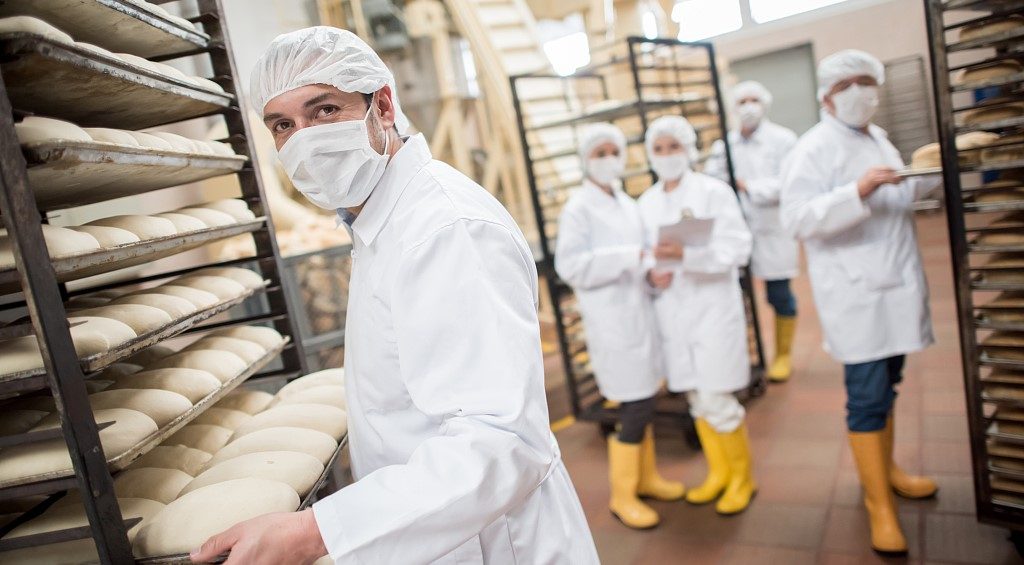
(856, 105)
(605, 170)
(750, 114)
(670, 167)
(333, 165)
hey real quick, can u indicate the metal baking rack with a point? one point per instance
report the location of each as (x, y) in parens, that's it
(656, 77)
(98, 90)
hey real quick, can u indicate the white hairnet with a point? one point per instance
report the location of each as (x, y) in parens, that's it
(751, 89)
(677, 127)
(595, 134)
(845, 64)
(321, 55)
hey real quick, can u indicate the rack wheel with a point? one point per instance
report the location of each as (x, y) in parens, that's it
(1017, 539)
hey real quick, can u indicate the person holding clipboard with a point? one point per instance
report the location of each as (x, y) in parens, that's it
(603, 253)
(702, 241)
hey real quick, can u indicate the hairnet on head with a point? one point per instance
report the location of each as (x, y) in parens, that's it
(676, 127)
(845, 64)
(321, 55)
(751, 89)
(595, 134)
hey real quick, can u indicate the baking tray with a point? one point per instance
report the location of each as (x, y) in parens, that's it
(123, 460)
(978, 84)
(996, 166)
(116, 25)
(986, 207)
(96, 91)
(99, 361)
(980, 5)
(975, 248)
(992, 40)
(994, 433)
(132, 254)
(72, 173)
(984, 324)
(919, 172)
(997, 124)
(623, 110)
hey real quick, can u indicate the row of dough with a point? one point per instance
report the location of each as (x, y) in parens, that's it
(191, 487)
(115, 231)
(39, 129)
(36, 26)
(976, 147)
(103, 328)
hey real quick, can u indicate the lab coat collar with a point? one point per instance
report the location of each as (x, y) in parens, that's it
(598, 196)
(756, 137)
(408, 161)
(874, 131)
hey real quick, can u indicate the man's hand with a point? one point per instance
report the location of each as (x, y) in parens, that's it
(668, 251)
(660, 281)
(741, 185)
(874, 178)
(282, 537)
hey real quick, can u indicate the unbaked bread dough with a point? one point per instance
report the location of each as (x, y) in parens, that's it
(973, 140)
(98, 335)
(193, 384)
(994, 114)
(146, 227)
(22, 461)
(204, 437)
(331, 395)
(1002, 392)
(183, 222)
(222, 287)
(175, 306)
(139, 317)
(328, 419)
(151, 355)
(163, 406)
(117, 370)
(209, 85)
(178, 143)
(151, 141)
(327, 377)
(995, 71)
(63, 242)
(110, 135)
(189, 521)
(35, 26)
(108, 237)
(991, 27)
(269, 338)
(198, 298)
(17, 421)
(212, 218)
(287, 438)
(996, 196)
(73, 516)
(188, 460)
(248, 351)
(222, 364)
(245, 277)
(223, 417)
(87, 302)
(219, 147)
(298, 470)
(150, 483)
(36, 129)
(1001, 238)
(926, 157)
(1005, 153)
(248, 401)
(20, 354)
(234, 207)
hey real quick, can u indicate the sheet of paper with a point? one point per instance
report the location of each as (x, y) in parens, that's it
(689, 232)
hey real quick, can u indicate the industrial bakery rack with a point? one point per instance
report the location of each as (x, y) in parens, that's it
(633, 82)
(984, 189)
(49, 78)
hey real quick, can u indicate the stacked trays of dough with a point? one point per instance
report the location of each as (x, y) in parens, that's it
(103, 324)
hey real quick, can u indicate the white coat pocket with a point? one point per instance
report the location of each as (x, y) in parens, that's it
(873, 264)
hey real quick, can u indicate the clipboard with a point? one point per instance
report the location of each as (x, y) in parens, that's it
(688, 232)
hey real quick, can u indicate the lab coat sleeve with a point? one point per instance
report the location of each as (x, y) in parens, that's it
(810, 208)
(730, 243)
(923, 187)
(715, 166)
(469, 351)
(582, 266)
(764, 191)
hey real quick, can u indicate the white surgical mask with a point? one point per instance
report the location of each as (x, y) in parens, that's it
(333, 165)
(750, 114)
(856, 105)
(605, 170)
(670, 167)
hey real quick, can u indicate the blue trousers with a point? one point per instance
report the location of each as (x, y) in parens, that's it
(781, 297)
(871, 392)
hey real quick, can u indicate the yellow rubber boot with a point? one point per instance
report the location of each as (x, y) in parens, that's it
(907, 486)
(652, 484)
(718, 466)
(741, 487)
(869, 450)
(624, 471)
(782, 365)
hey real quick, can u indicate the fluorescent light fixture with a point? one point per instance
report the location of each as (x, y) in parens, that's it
(568, 53)
(770, 10)
(701, 19)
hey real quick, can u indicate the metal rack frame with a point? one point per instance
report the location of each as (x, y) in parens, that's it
(44, 297)
(586, 402)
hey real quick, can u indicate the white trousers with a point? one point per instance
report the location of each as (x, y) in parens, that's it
(719, 409)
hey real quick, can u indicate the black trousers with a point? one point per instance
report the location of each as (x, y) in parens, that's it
(633, 419)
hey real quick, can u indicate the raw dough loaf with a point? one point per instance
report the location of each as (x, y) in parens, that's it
(996, 71)
(188, 460)
(327, 377)
(73, 516)
(999, 392)
(108, 237)
(198, 298)
(204, 437)
(87, 302)
(151, 355)
(991, 27)
(36, 129)
(219, 147)
(211, 86)
(303, 440)
(245, 277)
(163, 406)
(140, 318)
(183, 222)
(248, 401)
(146, 227)
(269, 338)
(994, 114)
(1007, 153)
(926, 157)
(973, 140)
(16, 421)
(1004, 339)
(330, 395)
(189, 521)
(178, 143)
(297, 470)
(151, 141)
(328, 419)
(20, 354)
(999, 196)
(223, 417)
(1001, 238)
(193, 384)
(175, 306)
(120, 370)
(35, 26)
(110, 135)
(130, 427)
(63, 242)
(234, 207)
(222, 364)
(222, 287)
(212, 218)
(98, 335)
(96, 49)
(150, 483)
(248, 351)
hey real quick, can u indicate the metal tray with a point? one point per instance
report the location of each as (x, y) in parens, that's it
(919, 172)
(979, 5)
(73, 173)
(132, 254)
(123, 460)
(102, 360)
(993, 433)
(978, 84)
(985, 207)
(982, 323)
(975, 248)
(623, 110)
(997, 166)
(1003, 472)
(96, 91)
(998, 124)
(117, 25)
(993, 40)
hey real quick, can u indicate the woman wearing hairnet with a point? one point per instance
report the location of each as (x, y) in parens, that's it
(758, 148)
(703, 326)
(602, 253)
(448, 423)
(841, 196)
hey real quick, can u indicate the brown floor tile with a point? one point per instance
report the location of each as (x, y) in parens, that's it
(945, 427)
(664, 549)
(847, 531)
(961, 539)
(955, 496)
(946, 457)
(818, 454)
(783, 525)
(794, 486)
(828, 558)
(944, 402)
(762, 555)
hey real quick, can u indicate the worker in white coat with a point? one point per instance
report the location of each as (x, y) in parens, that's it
(841, 196)
(758, 148)
(603, 253)
(701, 317)
(448, 424)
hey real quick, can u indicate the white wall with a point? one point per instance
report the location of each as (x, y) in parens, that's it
(253, 24)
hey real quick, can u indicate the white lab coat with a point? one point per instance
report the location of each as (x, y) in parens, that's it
(448, 423)
(757, 160)
(600, 238)
(862, 256)
(701, 317)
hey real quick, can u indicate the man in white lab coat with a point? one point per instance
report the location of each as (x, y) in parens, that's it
(842, 197)
(758, 148)
(448, 422)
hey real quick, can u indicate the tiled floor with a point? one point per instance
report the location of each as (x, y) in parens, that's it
(808, 509)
